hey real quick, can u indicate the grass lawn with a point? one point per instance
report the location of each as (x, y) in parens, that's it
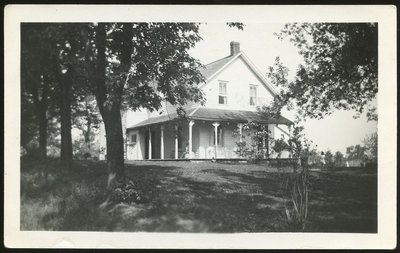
(191, 197)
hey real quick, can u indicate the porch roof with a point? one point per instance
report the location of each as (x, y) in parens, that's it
(236, 116)
(221, 115)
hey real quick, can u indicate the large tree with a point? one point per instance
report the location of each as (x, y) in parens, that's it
(51, 70)
(68, 60)
(339, 69)
(139, 65)
(37, 79)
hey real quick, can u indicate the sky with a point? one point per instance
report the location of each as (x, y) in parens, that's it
(334, 132)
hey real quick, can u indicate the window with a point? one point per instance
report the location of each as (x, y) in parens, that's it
(222, 97)
(133, 138)
(253, 95)
(220, 136)
(180, 139)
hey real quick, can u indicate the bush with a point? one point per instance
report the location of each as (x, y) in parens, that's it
(126, 193)
(296, 195)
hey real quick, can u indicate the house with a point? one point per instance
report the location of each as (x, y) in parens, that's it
(234, 88)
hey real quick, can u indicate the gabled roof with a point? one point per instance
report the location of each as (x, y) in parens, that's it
(221, 115)
(213, 68)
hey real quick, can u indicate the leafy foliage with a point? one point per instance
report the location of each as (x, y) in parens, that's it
(126, 193)
(159, 69)
(255, 141)
(356, 152)
(338, 159)
(371, 147)
(329, 158)
(86, 118)
(340, 69)
(239, 26)
(280, 145)
(39, 91)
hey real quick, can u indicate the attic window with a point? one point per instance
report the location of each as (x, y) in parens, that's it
(222, 94)
(253, 95)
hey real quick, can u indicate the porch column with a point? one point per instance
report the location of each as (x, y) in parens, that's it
(176, 141)
(150, 144)
(191, 123)
(162, 142)
(216, 125)
(240, 126)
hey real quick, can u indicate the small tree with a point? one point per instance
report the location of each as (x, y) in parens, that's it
(256, 138)
(371, 147)
(280, 145)
(356, 154)
(338, 159)
(329, 158)
(296, 187)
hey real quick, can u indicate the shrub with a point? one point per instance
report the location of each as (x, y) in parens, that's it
(296, 192)
(87, 155)
(126, 193)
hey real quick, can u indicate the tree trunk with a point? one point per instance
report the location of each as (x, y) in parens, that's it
(88, 131)
(115, 145)
(109, 109)
(65, 111)
(40, 103)
(42, 120)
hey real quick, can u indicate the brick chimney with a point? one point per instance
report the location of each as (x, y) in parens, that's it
(235, 47)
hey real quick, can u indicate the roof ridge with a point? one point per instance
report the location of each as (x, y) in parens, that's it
(226, 57)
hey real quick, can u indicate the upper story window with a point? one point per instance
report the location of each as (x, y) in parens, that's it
(253, 95)
(222, 94)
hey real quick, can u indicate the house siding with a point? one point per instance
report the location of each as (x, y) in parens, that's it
(239, 77)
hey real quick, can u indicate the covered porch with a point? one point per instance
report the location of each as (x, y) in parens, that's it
(203, 134)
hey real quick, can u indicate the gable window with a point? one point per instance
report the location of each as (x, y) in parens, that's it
(222, 94)
(253, 95)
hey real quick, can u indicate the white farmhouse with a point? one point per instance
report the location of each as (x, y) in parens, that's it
(234, 88)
